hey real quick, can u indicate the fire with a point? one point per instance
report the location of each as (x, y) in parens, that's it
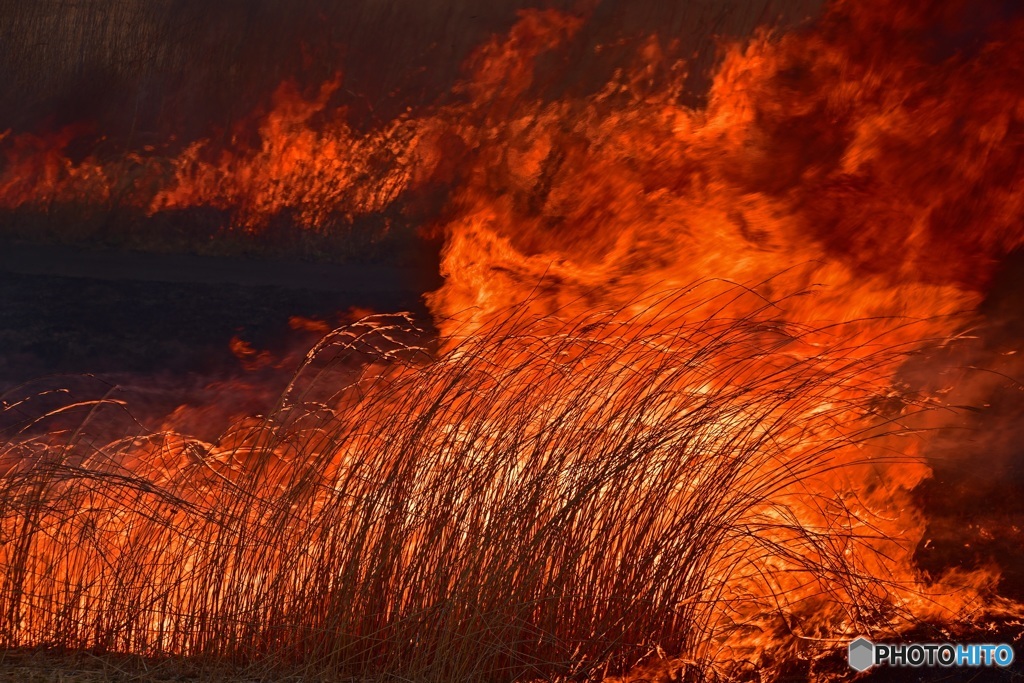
(310, 171)
(667, 408)
(38, 172)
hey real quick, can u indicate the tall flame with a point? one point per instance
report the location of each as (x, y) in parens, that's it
(842, 200)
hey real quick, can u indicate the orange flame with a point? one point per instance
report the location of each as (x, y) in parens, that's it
(842, 198)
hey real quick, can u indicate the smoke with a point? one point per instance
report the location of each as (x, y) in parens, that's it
(142, 71)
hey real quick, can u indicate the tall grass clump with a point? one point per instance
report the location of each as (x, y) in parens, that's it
(546, 498)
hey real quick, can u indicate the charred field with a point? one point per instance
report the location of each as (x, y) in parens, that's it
(567, 341)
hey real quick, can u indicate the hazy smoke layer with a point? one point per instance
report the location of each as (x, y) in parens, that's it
(142, 69)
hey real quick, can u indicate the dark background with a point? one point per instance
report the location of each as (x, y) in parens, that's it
(142, 69)
(133, 73)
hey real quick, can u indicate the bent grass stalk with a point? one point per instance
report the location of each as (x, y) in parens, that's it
(546, 499)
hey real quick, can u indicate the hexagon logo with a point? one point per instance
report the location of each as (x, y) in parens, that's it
(862, 654)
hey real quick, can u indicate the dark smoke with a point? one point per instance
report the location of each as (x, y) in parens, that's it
(141, 71)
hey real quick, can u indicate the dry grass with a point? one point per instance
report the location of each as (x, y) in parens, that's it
(548, 499)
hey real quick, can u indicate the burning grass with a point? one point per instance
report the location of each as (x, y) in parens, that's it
(545, 498)
(568, 485)
(347, 160)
